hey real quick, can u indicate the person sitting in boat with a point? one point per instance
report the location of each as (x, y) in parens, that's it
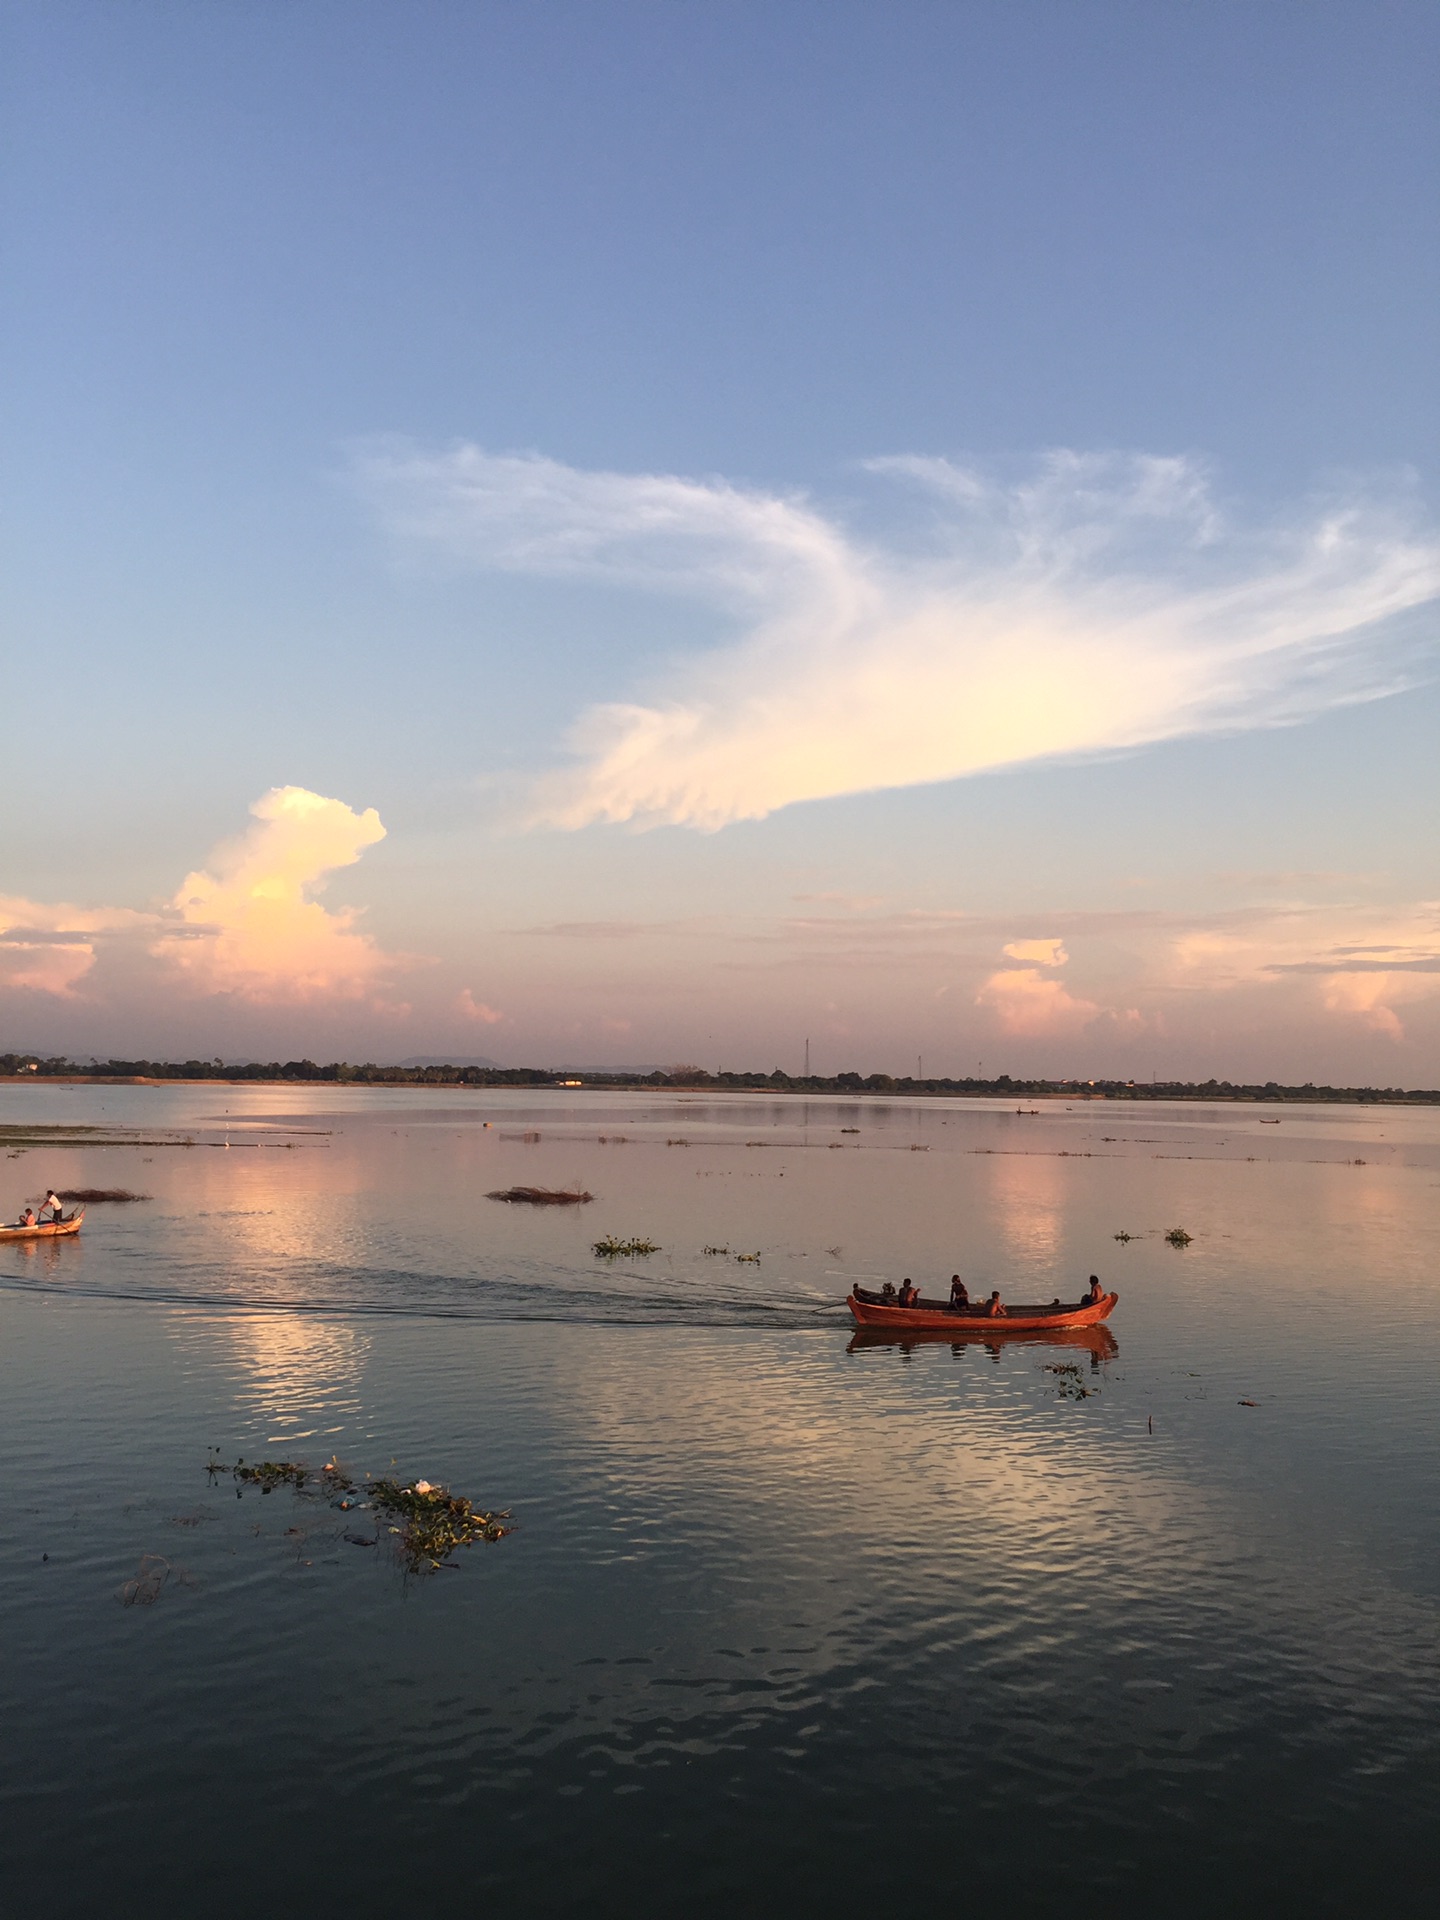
(995, 1306)
(887, 1294)
(27, 1218)
(909, 1294)
(52, 1202)
(1096, 1293)
(959, 1295)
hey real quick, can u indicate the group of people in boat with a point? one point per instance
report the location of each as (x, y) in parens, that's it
(908, 1295)
(51, 1213)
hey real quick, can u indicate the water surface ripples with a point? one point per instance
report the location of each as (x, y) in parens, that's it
(786, 1628)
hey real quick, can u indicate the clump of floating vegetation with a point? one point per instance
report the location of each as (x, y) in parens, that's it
(1124, 1238)
(426, 1524)
(712, 1252)
(1178, 1237)
(612, 1249)
(1069, 1381)
(752, 1259)
(434, 1523)
(542, 1196)
(270, 1474)
(92, 1196)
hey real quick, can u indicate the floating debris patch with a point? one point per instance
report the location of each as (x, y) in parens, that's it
(424, 1524)
(542, 1196)
(146, 1585)
(96, 1196)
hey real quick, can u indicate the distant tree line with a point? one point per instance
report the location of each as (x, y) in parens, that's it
(1003, 1087)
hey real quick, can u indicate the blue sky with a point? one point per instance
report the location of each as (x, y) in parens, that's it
(395, 389)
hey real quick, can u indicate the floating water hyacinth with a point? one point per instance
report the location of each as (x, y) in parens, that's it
(612, 1249)
(1069, 1381)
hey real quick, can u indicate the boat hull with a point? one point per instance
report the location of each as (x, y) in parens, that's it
(933, 1316)
(51, 1230)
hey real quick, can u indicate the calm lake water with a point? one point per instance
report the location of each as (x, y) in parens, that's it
(787, 1626)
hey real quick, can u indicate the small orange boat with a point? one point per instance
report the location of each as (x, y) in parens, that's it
(46, 1230)
(934, 1316)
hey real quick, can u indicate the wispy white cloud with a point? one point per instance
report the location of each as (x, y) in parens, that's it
(1102, 603)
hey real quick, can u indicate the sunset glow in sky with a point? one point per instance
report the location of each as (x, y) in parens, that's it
(635, 533)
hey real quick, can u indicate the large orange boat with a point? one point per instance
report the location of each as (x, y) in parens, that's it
(935, 1316)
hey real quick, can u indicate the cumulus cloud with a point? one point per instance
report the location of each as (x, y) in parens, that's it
(248, 924)
(1358, 965)
(1103, 975)
(46, 967)
(473, 1009)
(1102, 603)
(1024, 1000)
(1368, 997)
(45, 948)
(1042, 953)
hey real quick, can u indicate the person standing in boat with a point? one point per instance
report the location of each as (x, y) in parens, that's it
(959, 1295)
(53, 1203)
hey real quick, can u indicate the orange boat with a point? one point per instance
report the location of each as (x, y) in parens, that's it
(934, 1316)
(49, 1230)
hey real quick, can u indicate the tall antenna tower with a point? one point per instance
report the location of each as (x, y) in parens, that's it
(807, 1059)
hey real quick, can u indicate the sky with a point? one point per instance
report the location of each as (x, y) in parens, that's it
(625, 532)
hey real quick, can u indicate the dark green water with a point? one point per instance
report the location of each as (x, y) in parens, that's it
(785, 1628)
